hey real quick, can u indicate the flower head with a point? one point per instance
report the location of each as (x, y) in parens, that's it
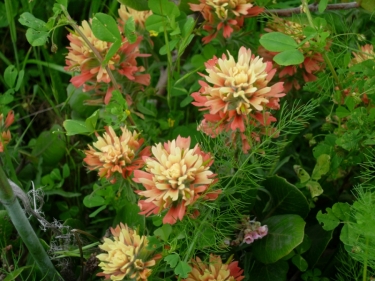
(225, 15)
(139, 16)
(366, 53)
(5, 135)
(127, 255)
(112, 154)
(176, 176)
(250, 231)
(215, 270)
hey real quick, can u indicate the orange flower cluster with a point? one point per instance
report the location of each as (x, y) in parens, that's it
(5, 135)
(238, 94)
(291, 74)
(215, 270)
(224, 15)
(139, 16)
(176, 176)
(112, 154)
(126, 255)
(82, 59)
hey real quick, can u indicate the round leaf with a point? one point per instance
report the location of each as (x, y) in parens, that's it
(277, 42)
(285, 232)
(105, 28)
(289, 57)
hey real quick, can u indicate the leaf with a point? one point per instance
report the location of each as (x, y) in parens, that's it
(322, 5)
(129, 214)
(322, 166)
(155, 23)
(21, 74)
(163, 232)
(93, 200)
(300, 262)
(270, 272)
(15, 273)
(278, 42)
(111, 52)
(29, 20)
(139, 5)
(286, 198)
(182, 269)
(97, 211)
(285, 232)
(7, 97)
(91, 121)
(10, 76)
(76, 127)
(145, 110)
(172, 45)
(105, 28)
(301, 173)
(319, 241)
(172, 260)
(368, 5)
(130, 30)
(315, 188)
(62, 193)
(164, 7)
(66, 171)
(56, 175)
(342, 112)
(341, 211)
(186, 101)
(290, 57)
(36, 38)
(329, 220)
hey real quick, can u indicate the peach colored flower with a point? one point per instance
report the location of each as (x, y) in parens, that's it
(225, 15)
(5, 135)
(176, 176)
(366, 53)
(215, 270)
(237, 94)
(112, 154)
(292, 74)
(139, 16)
(127, 255)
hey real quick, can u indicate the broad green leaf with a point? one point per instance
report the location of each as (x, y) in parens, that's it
(315, 188)
(368, 5)
(105, 28)
(76, 127)
(155, 23)
(164, 7)
(36, 38)
(186, 101)
(91, 121)
(319, 241)
(285, 232)
(111, 52)
(172, 260)
(129, 214)
(172, 45)
(277, 42)
(56, 175)
(182, 269)
(286, 198)
(322, 5)
(163, 232)
(10, 76)
(342, 112)
(29, 20)
(329, 220)
(129, 30)
(322, 166)
(300, 262)
(66, 171)
(341, 211)
(7, 97)
(289, 57)
(139, 5)
(349, 140)
(270, 272)
(93, 200)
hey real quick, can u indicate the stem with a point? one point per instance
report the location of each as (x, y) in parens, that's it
(365, 261)
(313, 8)
(24, 229)
(169, 56)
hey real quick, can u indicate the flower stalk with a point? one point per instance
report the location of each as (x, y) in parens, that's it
(24, 229)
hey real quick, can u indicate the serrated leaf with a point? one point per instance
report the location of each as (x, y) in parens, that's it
(105, 28)
(289, 57)
(329, 220)
(172, 260)
(139, 5)
(10, 76)
(129, 30)
(36, 38)
(278, 42)
(29, 20)
(182, 269)
(163, 232)
(76, 127)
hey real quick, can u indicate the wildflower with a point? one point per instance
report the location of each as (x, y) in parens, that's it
(112, 154)
(5, 135)
(139, 16)
(127, 255)
(214, 270)
(366, 53)
(250, 231)
(239, 93)
(224, 15)
(176, 176)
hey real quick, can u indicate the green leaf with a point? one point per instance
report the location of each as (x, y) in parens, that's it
(155, 23)
(66, 171)
(322, 5)
(145, 110)
(186, 101)
(164, 7)
(289, 57)
(341, 211)
(21, 74)
(172, 260)
(91, 121)
(270, 272)
(342, 112)
(36, 38)
(15, 273)
(277, 42)
(285, 232)
(172, 45)
(322, 166)
(105, 28)
(163, 232)
(63, 2)
(130, 30)
(129, 214)
(329, 220)
(10, 76)
(300, 262)
(7, 97)
(301, 173)
(76, 127)
(139, 5)
(319, 241)
(286, 198)
(29, 20)
(97, 211)
(182, 269)
(111, 52)
(62, 193)
(93, 200)
(315, 188)
(56, 175)
(368, 5)
(349, 140)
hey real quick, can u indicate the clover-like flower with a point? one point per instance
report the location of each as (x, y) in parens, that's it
(224, 15)
(366, 53)
(139, 16)
(126, 255)
(5, 135)
(176, 176)
(214, 270)
(112, 154)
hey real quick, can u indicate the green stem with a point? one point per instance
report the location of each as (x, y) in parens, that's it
(24, 229)
(169, 68)
(365, 262)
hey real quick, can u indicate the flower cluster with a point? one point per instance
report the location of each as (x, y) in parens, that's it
(5, 135)
(112, 154)
(224, 15)
(366, 53)
(176, 176)
(139, 16)
(238, 94)
(214, 270)
(251, 230)
(83, 59)
(127, 255)
(312, 63)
